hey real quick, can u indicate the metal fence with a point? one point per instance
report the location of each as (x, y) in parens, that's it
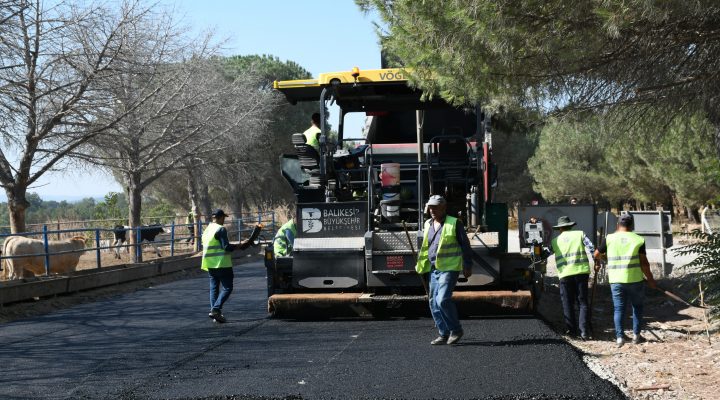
(179, 238)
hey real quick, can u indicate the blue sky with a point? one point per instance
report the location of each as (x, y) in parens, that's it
(320, 35)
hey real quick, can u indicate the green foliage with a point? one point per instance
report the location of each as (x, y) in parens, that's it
(155, 209)
(515, 138)
(268, 67)
(707, 263)
(593, 158)
(114, 206)
(557, 52)
(570, 161)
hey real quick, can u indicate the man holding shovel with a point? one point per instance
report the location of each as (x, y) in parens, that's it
(444, 253)
(573, 265)
(626, 264)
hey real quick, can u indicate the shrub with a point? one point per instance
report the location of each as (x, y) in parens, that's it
(707, 263)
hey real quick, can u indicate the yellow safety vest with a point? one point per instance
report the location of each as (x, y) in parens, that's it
(449, 253)
(214, 256)
(311, 137)
(623, 255)
(283, 241)
(570, 256)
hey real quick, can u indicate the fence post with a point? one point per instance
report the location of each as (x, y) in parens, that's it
(138, 247)
(240, 227)
(97, 245)
(198, 242)
(172, 238)
(273, 222)
(47, 250)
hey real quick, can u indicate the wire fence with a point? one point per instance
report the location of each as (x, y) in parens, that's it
(55, 251)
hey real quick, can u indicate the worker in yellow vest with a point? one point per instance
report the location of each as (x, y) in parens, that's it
(626, 264)
(571, 248)
(217, 261)
(312, 134)
(284, 239)
(445, 251)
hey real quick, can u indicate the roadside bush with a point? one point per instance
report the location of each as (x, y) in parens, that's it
(707, 263)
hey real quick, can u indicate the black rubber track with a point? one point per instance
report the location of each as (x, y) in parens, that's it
(159, 343)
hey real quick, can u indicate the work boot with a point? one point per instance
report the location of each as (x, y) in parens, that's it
(455, 337)
(637, 339)
(439, 340)
(217, 316)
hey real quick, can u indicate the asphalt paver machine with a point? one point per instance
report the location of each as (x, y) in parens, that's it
(361, 202)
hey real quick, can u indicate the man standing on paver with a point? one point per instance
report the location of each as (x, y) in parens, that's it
(626, 264)
(217, 261)
(573, 267)
(444, 253)
(312, 134)
(284, 239)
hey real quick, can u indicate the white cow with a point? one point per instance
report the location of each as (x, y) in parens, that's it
(32, 265)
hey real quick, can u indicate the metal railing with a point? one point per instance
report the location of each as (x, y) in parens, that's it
(238, 226)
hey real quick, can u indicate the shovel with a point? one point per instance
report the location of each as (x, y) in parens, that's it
(412, 248)
(677, 298)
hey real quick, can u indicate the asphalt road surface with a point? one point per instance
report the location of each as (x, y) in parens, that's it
(159, 343)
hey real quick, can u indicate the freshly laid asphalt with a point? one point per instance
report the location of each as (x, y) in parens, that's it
(158, 343)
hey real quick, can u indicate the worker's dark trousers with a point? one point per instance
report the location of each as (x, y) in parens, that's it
(220, 277)
(574, 289)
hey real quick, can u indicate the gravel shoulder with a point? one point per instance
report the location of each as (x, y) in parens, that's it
(678, 361)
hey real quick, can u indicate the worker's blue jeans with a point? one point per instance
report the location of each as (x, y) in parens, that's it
(218, 277)
(622, 293)
(574, 289)
(442, 307)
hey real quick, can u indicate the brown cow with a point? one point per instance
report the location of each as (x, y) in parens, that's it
(24, 267)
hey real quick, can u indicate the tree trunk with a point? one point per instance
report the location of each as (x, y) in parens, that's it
(237, 200)
(713, 114)
(134, 197)
(204, 199)
(17, 204)
(693, 214)
(193, 192)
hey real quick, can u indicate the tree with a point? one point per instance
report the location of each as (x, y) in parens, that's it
(562, 53)
(190, 111)
(515, 139)
(570, 161)
(254, 175)
(55, 62)
(654, 162)
(707, 261)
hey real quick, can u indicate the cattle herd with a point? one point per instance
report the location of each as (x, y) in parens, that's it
(25, 257)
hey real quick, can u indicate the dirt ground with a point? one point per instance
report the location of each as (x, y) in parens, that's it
(107, 257)
(678, 361)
